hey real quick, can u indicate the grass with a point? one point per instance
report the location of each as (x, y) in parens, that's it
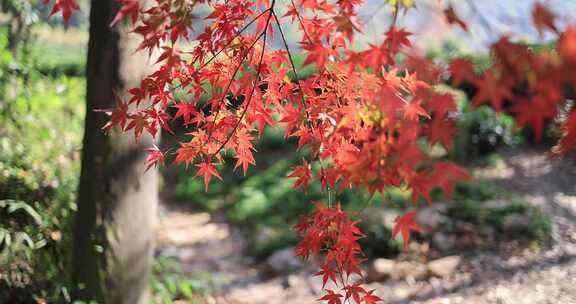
(169, 284)
(58, 51)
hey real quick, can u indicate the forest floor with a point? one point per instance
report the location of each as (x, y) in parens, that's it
(209, 248)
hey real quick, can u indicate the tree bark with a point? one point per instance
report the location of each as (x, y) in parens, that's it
(117, 199)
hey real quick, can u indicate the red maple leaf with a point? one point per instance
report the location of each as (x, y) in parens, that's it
(245, 159)
(318, 53)
(346, 25)
(446, 174)
(207, 170)
(461, 70)
(441, 131)
(535, 112)
(155, 157)
(355, 292)
(492, 89)
(118, 115)
(139, 122)
(129, 8)
(185, 110)
(567, 45)
(397, 38)
(332, 297)
(403, 225)
(370, 298)
(452, 18)
(543, 19)
(413, 109)
(327, 273)
(375, 57)
(303, 173)
(442, 104)
(65, 6)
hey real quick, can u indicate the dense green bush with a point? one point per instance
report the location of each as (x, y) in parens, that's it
(481, 131)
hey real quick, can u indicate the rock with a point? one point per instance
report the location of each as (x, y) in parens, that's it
(263, 235)
(379, 217)
(401, 292)
(283, 262)
(410, 271)
(461, 227)
(429, 218)
(380, 269)
(445, 266)
(389, 219)
(291, 281)
(444, 242)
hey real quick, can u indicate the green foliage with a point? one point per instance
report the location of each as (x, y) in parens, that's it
(39, 166)
(536, 224)
(169, 284)
(41, 123)
(50, 43)
(479, 190)
(481, 130)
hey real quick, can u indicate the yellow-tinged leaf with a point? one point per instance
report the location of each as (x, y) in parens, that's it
(407, 3)
(404, 3)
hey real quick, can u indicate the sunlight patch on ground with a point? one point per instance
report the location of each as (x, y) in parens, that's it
(190, 228)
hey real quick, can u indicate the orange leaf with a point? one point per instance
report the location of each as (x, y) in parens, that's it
(207, 170)
(403, 225)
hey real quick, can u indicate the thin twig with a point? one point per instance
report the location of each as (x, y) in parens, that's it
(301, 22)
(236, 70)
(292, 65)
(214, 55)
(235, 36)
(483, 19)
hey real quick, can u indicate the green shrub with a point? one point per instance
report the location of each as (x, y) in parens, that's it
(481, 131)
(537, 226)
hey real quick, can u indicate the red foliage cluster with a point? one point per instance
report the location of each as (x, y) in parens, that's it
(534, 85)
(365, 118)
(331, 232)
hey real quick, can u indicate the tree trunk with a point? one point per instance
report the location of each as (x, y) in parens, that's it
(117, 200)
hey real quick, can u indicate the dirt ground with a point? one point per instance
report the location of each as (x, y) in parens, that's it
(210, 248)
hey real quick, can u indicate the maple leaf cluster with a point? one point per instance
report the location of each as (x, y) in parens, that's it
(532, 84)
(354, 114)
(329, 231)
(365, 118)
(360, 118)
